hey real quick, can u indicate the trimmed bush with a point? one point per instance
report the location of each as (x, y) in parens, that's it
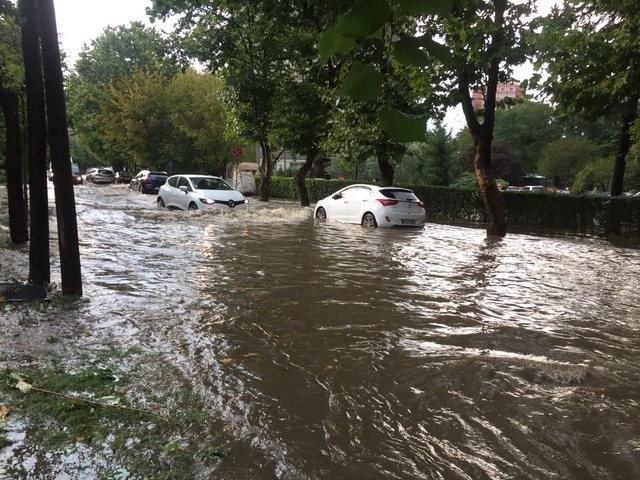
(525, 212)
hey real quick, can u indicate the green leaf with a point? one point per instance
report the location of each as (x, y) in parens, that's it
(364, 18)
(427, 7)
(362, 82)
(402, 127)
(407, 51)
(332, 42)
(435, 49)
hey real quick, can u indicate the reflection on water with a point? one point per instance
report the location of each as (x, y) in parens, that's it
(333, 351)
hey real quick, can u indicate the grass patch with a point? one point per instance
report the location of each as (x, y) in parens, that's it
(113, 415)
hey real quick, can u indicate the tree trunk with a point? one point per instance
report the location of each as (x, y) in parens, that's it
(39, 266)
(18, 229)
(60, 157)
(387, 171)
(629, 114)
(496, 224)
(266, 170)
(301, 175)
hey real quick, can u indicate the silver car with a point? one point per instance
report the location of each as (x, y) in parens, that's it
(373, 206)
(100, 175)
(195, 192)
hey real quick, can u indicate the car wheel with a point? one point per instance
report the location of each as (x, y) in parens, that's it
(193, 206)
(321, 214)
(368, 220)
(160, 202)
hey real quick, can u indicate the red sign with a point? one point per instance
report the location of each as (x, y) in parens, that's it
(236, 152)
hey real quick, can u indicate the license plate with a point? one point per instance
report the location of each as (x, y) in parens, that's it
(404, 221)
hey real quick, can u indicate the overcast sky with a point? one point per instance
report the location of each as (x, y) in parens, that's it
(80, 21)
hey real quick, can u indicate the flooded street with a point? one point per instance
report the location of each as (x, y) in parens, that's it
(330, 351)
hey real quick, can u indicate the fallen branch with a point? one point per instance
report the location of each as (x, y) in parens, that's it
(25, 387)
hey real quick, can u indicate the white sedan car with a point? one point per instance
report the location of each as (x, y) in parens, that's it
(195, 192)
(373, 206)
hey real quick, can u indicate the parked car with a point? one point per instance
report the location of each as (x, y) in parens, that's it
(123, 177)
(147, 181)
(76, 177)
(100, 175)
(373, 206)
(75, 174)
(194, 192)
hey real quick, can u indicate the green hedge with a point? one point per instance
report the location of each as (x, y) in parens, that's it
(525, 212)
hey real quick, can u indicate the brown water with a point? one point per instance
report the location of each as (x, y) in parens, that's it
(336, 352)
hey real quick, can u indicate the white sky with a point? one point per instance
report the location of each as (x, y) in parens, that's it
(80, 21)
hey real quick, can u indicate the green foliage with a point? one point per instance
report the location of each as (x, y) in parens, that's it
(563, 159)
(466, 180)
(430, 162)
(589, 51)
(526, 128)
(11, 64)
(182, 120)
(596, 175)
(379, 29)
(111, 59)
(109, 403)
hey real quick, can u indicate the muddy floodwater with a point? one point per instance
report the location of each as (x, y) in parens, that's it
(331, 351)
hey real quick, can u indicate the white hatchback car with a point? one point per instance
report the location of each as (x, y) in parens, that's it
(194, 192)
(373, 206)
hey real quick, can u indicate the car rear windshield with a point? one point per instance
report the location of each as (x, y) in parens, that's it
(399, 194)
(105, 172)
(157, 174)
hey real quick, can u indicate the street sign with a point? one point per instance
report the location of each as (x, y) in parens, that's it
(236, 152)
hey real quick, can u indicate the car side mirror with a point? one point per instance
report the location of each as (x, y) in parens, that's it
(184, 188)
(337, 196)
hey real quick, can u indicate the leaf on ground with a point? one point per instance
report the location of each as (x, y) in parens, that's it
(4, 411)
(109, 400)
(250, 355)
(23, 386)
(227, 361)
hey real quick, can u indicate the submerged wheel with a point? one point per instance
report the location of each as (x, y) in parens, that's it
(368, 220)
(321, 214)
(193, 206)
(160, 202)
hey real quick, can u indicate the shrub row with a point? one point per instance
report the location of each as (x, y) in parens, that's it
(525, 212)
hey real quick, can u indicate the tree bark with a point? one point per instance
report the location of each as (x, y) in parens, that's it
(59, 147)
(18, 228)
(387, 171)
(491, 197)
(266, 169)
(629, 114)
(301, 175)
(39, 266)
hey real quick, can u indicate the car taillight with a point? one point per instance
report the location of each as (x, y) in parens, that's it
(421, 205)
(387, 203)
(146, 180)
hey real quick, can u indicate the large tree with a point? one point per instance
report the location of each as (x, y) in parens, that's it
(589, 51)
(109, 60)
(11, 85)
(156, 121)
(248, 43)
(527, 128)
(486, 39)
(561, 160)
